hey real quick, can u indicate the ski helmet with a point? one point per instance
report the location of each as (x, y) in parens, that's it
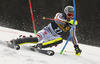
(69, 9)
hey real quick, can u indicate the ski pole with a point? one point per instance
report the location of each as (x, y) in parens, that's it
(72, 28)
(32, 16)
(50, 19)
(53, 19)
(69, 51)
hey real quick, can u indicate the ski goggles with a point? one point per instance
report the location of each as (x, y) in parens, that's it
(70, 14)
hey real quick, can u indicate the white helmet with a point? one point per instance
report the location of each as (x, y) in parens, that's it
(69, 9)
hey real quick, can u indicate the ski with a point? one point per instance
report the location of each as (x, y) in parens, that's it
(47, 52)
(17, 47)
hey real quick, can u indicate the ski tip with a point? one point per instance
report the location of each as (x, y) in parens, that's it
(50, 53)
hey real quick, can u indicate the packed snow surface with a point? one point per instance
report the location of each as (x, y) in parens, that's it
(89, 55)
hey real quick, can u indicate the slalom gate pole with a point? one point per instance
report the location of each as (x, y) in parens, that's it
(72, 27)
(32, 16)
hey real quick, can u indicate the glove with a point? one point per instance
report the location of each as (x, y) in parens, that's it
(71, 22)
(78, 50)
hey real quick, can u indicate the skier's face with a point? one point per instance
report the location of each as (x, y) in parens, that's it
(70, 16)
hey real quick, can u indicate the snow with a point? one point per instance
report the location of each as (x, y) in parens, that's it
(90, 54)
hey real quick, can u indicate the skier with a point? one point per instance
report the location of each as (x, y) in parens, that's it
(52, 32)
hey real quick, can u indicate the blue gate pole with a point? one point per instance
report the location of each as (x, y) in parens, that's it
(72, 27)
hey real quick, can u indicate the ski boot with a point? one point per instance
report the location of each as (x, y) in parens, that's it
(78, 50)
(38, 46)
